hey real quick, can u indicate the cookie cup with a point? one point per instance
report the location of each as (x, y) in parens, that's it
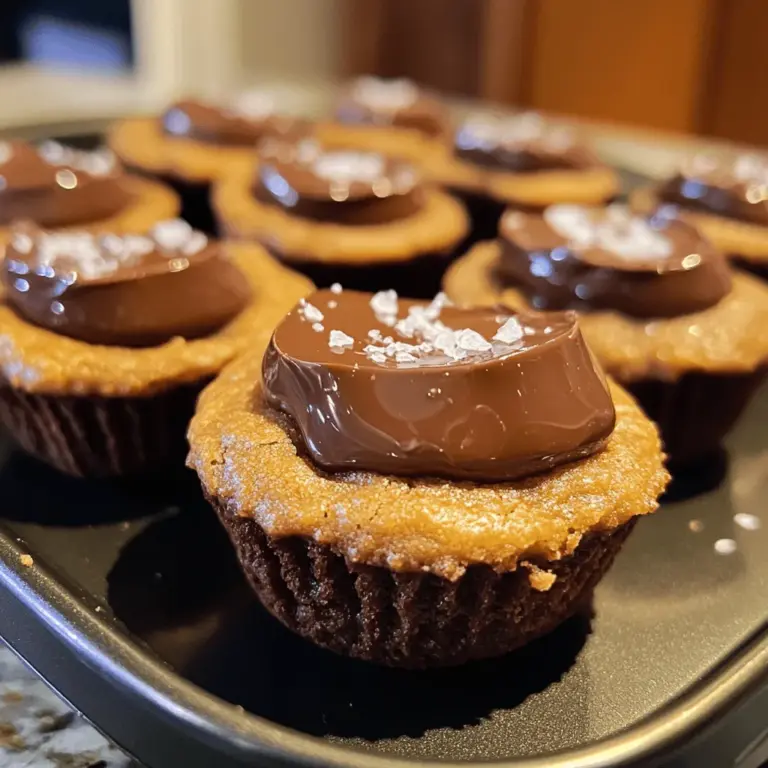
(693, 375)
(409, 255)
(414, 572)
(92, 410)
(189, 166)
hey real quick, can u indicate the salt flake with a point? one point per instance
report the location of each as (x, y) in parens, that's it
(339, 339)
(472, 341)
(311, 313)
(510, 332)
(384, 306)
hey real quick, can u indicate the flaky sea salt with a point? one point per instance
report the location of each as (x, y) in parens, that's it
(173, 234)
(617, 230)
(384, 305)
(510, 332)
(339, 340)
(196, 242)
(472, 341)
(318, 327)
(311, 313)
(22, 242)
(336, 288)
(97, 163)
(384, 95)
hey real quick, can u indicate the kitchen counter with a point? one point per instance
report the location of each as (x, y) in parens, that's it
(38, 730)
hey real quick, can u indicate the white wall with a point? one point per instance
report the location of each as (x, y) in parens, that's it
(291, 39)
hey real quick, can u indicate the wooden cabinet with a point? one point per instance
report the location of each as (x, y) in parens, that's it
(682, 65)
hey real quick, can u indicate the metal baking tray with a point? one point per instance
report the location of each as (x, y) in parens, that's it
(135, 611)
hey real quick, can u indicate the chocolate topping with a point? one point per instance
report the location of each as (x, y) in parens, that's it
(131, 290)
(736, 188)
(399, 103)
(56, 186)
(347, 187)
(245, 123)
(519, 144)
(478, 394)
(573, 257)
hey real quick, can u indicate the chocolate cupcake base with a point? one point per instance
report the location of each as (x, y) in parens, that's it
(194, 197)
(101, 436)
(414, 620)
(195, 204)
(417, 278)
(484, 213)
(695, 412)
(758, 268)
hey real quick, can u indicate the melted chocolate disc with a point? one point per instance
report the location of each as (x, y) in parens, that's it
(399, 103)
(519, 144)
(734, 187)
(347, 187)
(574, 257)
(244, 123)
(129, 290)
(398, 386)
(57, 186)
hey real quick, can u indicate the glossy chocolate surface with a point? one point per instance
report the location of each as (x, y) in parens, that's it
(574, 257)
(734, 187)
(523, 143)
(130, 290)
(348, 187)
(399, 103)
(398, 386)
(244, 123)
(57, 186)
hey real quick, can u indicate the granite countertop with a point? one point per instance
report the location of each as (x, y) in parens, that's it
(39, 730)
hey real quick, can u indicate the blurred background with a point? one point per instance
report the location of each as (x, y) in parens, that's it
(677, 65)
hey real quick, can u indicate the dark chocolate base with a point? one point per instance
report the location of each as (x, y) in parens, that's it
(101, 436)
(696, 412)
(414, 620)
(195, 200)
(757, 268)
(418, 278)
(484, 215)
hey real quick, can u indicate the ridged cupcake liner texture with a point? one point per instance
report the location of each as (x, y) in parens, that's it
(414, 620)
(695, 412)
(101, 436)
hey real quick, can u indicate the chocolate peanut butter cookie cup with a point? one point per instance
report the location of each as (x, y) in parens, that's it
(359, 218)
(194, 142)
(662, 309)
(59, 187)
(394, 117)
(107, 339)
(726, 197)
(419, 485)
(522, 161)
